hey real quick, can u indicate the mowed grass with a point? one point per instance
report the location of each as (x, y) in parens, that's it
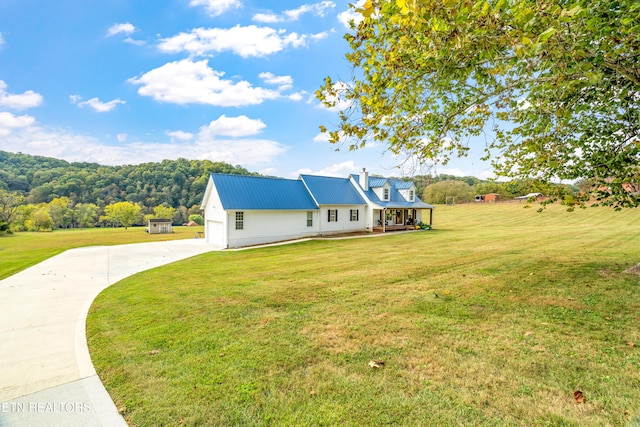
(494, 318)
(21, 250)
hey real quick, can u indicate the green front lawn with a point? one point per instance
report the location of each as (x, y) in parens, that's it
(494, 318)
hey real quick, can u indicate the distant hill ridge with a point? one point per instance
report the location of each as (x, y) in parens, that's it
(175, 183)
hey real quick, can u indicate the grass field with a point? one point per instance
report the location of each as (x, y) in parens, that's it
(494, 318)
(21, 250)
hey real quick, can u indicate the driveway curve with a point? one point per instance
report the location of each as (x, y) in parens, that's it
(46, 374)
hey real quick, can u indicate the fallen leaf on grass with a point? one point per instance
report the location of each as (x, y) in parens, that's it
(631, 344)
(579, 396)
(312, 392)
(152, 352)
(376, 363)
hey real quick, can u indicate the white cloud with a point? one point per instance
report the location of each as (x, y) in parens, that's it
(337, 98)
(268, 171)
(283, 82)
(232, 126)
(21, 101)
(9, 122)
(216, 7)
(73, 147)
(181, 135)
(96, 104)
(244, 41)
(125, 28)
(321, 137)
(121, 137)
(188, 82)
(2, 40)
(134, 41)
(267, 18)
(319, 9)
(237, 151)
(298, 96)
(346, 141)
(319, 36)
(351, 15)
(341, 170)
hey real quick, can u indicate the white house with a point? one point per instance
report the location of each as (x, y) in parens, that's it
(241, 210)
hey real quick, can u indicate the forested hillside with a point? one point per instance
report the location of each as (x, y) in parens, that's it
(173, 183)
(42, 194)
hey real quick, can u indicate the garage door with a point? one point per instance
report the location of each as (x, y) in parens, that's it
(215, 233)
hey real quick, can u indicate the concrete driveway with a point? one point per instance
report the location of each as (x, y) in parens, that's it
(46, 374)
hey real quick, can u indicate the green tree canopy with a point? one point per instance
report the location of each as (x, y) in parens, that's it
(448, 191)
(9, 205)
(60, 209)
(554, 84)
(86, 214)
(40, 220)
(197, 218)
(165, 212)
(123, 213)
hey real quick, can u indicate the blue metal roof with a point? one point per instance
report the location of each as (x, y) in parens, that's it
(375, 181)
(261, 193)
(332, 191)
(396, 199)
(402, 185)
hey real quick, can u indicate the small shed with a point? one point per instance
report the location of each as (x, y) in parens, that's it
(159, 226)
(492, 197)
(489, 198)
(531, 196)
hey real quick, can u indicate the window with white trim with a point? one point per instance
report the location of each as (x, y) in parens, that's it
(355, 213)
(239, 220)
(309, 219)
(412, 195)
(332, 215)
(385, 194)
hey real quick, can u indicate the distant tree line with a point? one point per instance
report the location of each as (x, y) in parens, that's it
(40, 193)
(440, 188)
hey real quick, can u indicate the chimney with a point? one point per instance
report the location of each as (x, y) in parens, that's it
(364, 179)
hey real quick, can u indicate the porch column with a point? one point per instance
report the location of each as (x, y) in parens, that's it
(384, 220)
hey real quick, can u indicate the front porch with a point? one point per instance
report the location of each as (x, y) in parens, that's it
(383, 229)
(397, 219)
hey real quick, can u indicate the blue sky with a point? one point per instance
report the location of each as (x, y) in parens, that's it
(134, 81)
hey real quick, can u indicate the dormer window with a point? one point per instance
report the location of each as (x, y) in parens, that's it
(412, 195)
(385, 194)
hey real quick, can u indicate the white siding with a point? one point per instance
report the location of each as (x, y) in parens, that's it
(215, 217)
(406, 193)
(344, 223)
(270, 226)
(380, 191)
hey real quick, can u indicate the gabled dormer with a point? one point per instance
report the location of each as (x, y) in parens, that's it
(382, 187)
(407, 190)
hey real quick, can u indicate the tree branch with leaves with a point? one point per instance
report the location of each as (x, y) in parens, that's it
(556, 84)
